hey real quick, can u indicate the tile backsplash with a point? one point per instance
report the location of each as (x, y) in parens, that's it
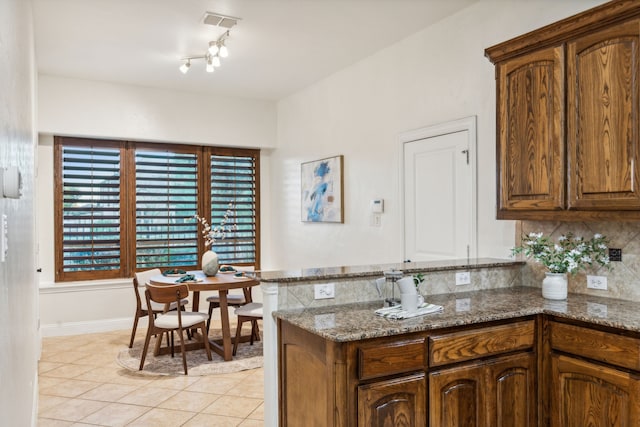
(300, 294)
(623, 279)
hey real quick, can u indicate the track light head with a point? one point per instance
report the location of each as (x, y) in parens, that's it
(213, 48)
(224, 52)
(185, 67)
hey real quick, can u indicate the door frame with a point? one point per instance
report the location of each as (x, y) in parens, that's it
(468, 124)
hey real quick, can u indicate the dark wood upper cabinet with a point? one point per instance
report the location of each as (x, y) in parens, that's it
(567, 118)
(530, 143)
(602, 126)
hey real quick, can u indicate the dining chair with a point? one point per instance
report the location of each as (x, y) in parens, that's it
(140, 279)
(233, 300)
(248, 313)
(171, 321)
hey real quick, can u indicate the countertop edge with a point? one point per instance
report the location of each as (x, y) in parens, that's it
(346, 272)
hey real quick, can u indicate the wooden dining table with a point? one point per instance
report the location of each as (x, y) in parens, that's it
(222, 283)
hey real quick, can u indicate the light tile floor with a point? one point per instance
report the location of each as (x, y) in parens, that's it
(81, 384)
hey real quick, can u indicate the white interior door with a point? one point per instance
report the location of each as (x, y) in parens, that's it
(439, 196)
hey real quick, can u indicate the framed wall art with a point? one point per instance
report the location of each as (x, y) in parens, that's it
(322, 188)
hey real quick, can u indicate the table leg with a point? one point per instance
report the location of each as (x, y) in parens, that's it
(195, 304)
(226, 332)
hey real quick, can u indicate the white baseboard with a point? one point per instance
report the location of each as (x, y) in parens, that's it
(88, 327)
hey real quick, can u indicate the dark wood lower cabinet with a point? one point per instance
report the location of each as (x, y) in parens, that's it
(494, 393)
(512, 390)
(484, 375)
(536, 371)
(457, 397)
(400, 402)
(589, 394)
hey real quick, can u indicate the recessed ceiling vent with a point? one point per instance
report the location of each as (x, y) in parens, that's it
(218, 20)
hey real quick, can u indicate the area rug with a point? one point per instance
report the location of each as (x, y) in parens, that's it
(248, 357)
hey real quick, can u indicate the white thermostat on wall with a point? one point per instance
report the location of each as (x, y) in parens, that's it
(377, 205)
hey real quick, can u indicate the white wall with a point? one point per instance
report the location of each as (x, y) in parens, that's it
(437, 75)
(19, 346)
(100, 109)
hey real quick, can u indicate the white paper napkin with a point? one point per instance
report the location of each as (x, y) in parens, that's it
(397, 312)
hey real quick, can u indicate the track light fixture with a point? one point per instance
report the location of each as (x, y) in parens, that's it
(217, 48)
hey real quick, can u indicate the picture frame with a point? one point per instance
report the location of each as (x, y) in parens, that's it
(322, 190)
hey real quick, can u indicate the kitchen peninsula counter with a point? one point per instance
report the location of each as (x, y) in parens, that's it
(505, 355)
(353, 322)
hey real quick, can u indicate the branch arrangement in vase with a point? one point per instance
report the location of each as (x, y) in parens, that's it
(569, 254)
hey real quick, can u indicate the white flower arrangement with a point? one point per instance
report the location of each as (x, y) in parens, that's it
(209, 234)
(569, 255)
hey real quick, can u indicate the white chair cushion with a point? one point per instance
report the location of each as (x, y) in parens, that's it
(143, 276)
(231, 298)
(253, 309)
(189, 318)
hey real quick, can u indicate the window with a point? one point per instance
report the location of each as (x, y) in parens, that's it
(233, 184)
(126, 206)
(90, 209)
(166, 201)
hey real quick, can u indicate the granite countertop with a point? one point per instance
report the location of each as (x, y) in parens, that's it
(353, 322)
(377, 270)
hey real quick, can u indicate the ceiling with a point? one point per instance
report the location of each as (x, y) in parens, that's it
(278, 47)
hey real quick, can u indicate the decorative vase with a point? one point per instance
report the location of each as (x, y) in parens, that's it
(210, 263)
(554, 286)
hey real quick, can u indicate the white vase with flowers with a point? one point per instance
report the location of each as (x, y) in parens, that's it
(566, 256)
(210, 262)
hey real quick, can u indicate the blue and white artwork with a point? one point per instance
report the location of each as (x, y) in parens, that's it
(322, 190)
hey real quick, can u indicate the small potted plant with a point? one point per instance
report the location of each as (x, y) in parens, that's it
(417, 279)
(568, 255)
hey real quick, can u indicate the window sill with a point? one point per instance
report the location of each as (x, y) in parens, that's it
(83, 286)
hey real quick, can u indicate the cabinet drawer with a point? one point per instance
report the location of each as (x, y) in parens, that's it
(597, 345)
(481, 342)
(391, 358)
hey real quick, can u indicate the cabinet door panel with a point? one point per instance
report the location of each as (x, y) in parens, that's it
(399, 402)
(586, 394)
(530, 116)
(512, 385)
(602, 128)
(456, 397)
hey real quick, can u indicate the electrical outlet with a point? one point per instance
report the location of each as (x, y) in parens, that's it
(324, 290)
(463, 278)
(615, 254)
(597, 282)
